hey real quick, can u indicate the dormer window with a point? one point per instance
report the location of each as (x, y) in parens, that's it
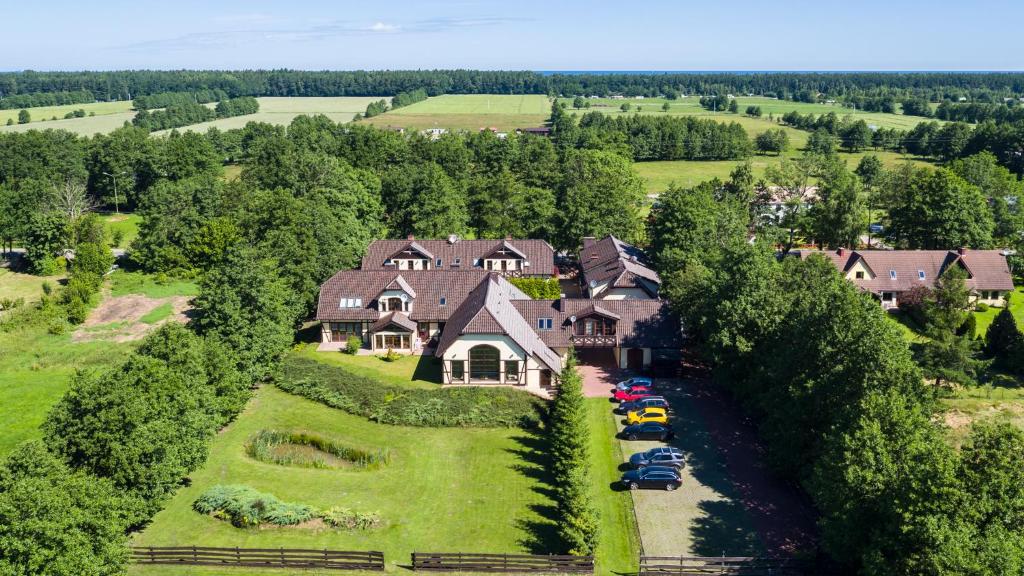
(443, 301)
(544, 323)
(457, 262)
(389, 262)
(892, 274)
(438, 263)
(920, 275)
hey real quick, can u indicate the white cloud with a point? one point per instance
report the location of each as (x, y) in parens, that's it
(382, 27)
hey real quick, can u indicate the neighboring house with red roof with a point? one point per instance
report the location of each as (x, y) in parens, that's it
(614, 270)
(484, 329)
(888, 274)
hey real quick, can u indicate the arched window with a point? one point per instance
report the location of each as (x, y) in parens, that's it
(483, 362)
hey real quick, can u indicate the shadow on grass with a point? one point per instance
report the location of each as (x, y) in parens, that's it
(721, 530)
(428, 368)
(541, 535)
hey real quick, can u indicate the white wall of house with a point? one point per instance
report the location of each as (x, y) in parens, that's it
(623, 354)
(529, 368)
(625, 294)
(862, 269)
(511, 264)
(989, 297)
(382, 301)
(412, 263)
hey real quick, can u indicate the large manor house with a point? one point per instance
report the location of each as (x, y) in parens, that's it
(452, 298)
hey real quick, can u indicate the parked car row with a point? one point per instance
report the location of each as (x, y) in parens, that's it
(647, 418)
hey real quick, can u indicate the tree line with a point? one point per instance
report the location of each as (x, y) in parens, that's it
(652, 137)
(838, 397)
(188, 112)
(165, 99)
(32, 100)
(798, 86)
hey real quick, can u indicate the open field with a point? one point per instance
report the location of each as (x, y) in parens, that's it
(99, 124)
(690, 106)
(470, 112)
(36, 370)
(38, 365)
(125, 223)
(46, 113)
(445, 489)
(658, 175)
(281, 111)
(16, 285)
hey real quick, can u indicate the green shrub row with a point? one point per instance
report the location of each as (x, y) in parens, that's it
(245, 507)
(538, 288)
(442, 407)
(261, 447)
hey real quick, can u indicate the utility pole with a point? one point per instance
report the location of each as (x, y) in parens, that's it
(114, 178)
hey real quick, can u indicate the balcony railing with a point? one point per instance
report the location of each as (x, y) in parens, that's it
(594, 341)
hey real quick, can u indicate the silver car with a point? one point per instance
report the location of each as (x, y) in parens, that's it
(660, 456)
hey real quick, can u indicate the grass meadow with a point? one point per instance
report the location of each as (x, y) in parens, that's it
(88, 126)
(470, 112)
(46, 113)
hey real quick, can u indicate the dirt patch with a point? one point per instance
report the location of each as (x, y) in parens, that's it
(119, 319)
(955, 419)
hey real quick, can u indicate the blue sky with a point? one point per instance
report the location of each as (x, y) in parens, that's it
(514, 34)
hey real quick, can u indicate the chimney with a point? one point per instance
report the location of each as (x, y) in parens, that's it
(841, 251)
(410, 237)
(961, 251)
(508, 237)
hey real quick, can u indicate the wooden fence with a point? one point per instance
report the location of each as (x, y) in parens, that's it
(501, 563)
(258, 557)
(734, 565)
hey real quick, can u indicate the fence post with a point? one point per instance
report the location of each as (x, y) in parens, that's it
(194, 557)
(282, 556)
(238, 555)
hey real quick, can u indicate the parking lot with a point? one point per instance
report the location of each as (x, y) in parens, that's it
(729, 503)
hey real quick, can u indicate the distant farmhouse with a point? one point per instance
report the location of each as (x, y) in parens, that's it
(889, 274)
(453, 299)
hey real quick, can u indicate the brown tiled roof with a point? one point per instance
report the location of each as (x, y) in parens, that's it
(399, 283)
(640, 324)
(987, 269)
(429, 286)
(489, 309)
(611, 258)
(538, 253)
(393, 318)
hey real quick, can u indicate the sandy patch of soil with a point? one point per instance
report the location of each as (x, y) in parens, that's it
(119, 319)
(955, 419)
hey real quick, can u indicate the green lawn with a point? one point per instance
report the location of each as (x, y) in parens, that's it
(157, 314)
(1016, 308)
(35, 371)
(619, 546)
(407, 371)
(126, 224)
(123, 283)
(474, 490)
(46, 113)
(16, 285)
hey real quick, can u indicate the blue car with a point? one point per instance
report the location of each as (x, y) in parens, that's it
(635, 381)
(661, 477)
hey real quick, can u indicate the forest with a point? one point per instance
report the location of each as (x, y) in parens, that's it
(804, 86)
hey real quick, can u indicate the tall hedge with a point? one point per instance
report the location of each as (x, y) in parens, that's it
(571, 465)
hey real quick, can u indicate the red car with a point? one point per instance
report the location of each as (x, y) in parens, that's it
(632, 394)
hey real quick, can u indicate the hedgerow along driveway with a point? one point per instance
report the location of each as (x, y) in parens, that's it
(730, 503)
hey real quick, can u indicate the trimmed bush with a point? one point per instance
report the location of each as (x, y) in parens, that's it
(262, 447)
(981, 307)
(353, 344)
(245, 507)
(461, 406)
(351, 520)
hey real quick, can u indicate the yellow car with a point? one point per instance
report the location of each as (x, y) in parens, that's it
(647, 415)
